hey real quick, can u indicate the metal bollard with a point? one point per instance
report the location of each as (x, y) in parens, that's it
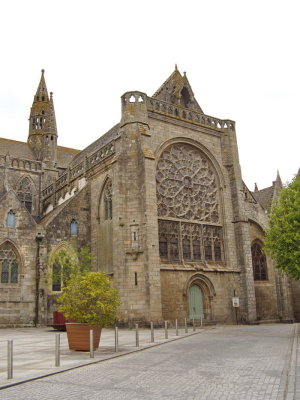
(9, 359)
(116, 339)
(185, 326)
(176, 327)
(152, 332)
(201, 322)
(57, 349)
(91, 343)
(194, 327)
(137, 341)
(166, 329)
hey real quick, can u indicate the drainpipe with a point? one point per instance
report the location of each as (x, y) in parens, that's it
(39, 237)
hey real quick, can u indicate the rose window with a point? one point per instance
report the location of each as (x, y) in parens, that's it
(186, 185)
(187, 190)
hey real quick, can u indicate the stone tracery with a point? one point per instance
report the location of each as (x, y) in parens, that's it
(187, 190)
(25, 193)
(9, 264)
(108, 200)
(186, 185)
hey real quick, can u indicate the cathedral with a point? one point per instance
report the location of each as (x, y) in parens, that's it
(160, 201)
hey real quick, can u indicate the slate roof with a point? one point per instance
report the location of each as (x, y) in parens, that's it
(19, 149)
(96, 145)
(65, 155)
(264, 197)
(15, 149)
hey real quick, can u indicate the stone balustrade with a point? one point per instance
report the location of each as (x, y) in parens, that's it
(100, 155)
(79, 170)
(62, 181)
(176, 111)
(20, 163)
(48, 191)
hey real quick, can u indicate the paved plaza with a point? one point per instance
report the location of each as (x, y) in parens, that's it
(225, 362)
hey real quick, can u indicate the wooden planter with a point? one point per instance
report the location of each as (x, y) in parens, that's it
(79, 336)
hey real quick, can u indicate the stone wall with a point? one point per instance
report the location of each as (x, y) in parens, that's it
(218, 288)
(57, 227)
(265, 290)
(17, 300)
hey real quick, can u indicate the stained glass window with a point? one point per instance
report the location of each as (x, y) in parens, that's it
(108, 200)
(259, 263)
(186, 185)
(9, 263)
(25, 193)
(186, 190)
(56, 278)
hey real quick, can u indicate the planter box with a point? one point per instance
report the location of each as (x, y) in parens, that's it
(79, 336)
(59, 321)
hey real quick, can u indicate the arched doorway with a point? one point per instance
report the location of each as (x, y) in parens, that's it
(199, 292)
(196, 309)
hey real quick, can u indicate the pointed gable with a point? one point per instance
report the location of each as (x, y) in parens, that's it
(11, 203)
(177, 90)
(266, 196)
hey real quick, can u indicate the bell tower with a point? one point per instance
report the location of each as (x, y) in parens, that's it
(42, 137)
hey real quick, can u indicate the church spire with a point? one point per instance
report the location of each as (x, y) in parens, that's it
(42, 136)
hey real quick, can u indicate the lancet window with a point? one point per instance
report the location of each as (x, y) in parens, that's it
(107, 198)
(9, 263)
(188, 206)
(25, 193)
(73, 228)
(259, 263)
(62, 264)
(10, 219)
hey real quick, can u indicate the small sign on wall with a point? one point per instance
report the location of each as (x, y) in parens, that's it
(235, 302)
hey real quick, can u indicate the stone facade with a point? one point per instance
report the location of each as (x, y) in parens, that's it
(160, 201)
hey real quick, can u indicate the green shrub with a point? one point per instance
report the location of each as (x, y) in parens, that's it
(90, 298)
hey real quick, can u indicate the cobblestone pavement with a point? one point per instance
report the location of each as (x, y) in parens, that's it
(34, 349)
(236, 363)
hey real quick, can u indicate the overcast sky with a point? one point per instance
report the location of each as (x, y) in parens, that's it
(241, 58)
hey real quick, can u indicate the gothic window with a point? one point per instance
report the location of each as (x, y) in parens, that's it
(9, 264)
(196, 250)
(217, 244)
(74, 228)
(56, 278)
(168, 240)
(186, 248)
(10, 219)
(259, 263)
(207, 243)
(187, 191)
(186, 185)
(173, 248)
(108, 200)
(25, 193)
(62, 263)
(163, 246)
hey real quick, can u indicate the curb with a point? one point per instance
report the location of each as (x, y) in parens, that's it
(289, 391)
(113, 356)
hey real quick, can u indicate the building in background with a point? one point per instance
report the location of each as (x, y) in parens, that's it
(161, 202)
